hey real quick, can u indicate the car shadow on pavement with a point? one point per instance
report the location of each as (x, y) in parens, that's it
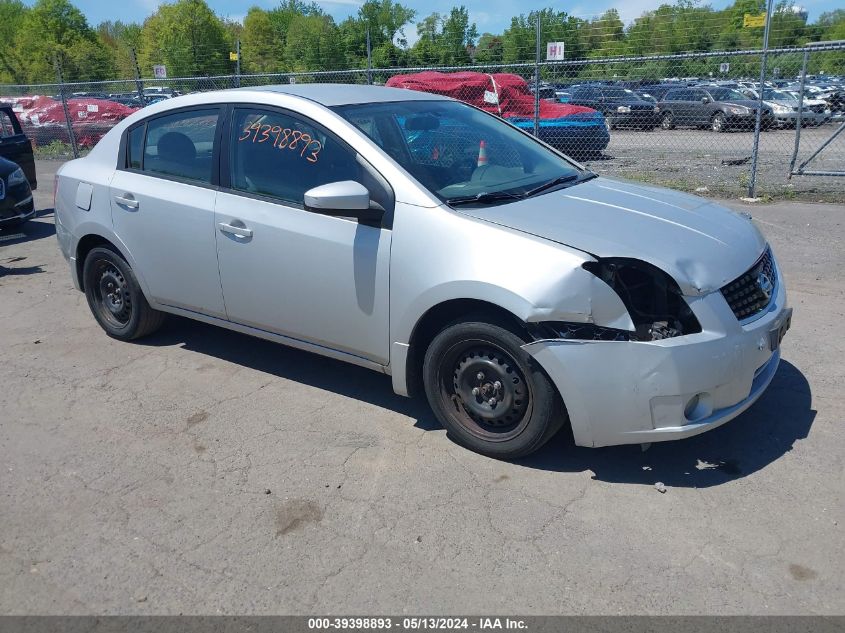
(289, 363)
(29, 231)
(743, 446)
(750, 442)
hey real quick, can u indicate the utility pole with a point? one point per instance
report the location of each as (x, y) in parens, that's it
(752, 184)
(60, 78)
(537, 81)
(369, 60)
(238, 64)
(139, 85)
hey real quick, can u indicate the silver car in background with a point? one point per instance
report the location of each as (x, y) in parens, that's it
(425, 239)
(784, 107)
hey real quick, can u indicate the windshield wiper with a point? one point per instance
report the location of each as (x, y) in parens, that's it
(484, 198)
(560, 180)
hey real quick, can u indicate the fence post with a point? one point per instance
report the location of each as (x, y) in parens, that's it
(238, 63)
(68, 120)
(139, 85)
(369, 60)
(800, 111)
(537, 81)
(752, 184)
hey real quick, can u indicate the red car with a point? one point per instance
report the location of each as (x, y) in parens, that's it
(572, 129)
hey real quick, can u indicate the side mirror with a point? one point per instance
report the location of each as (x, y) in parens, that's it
(705, 99)
(345, 198)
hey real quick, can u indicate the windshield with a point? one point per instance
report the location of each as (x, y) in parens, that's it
(778, 95)
(725, 94)
(457, 151)
(618, 94)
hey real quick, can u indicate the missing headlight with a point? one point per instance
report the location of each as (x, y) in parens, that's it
(652, 298)
(577, 331)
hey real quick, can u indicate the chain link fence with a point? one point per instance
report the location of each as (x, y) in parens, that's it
(685, 120)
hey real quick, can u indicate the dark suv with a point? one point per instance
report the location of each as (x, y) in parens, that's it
(620, 106)
(718, 108)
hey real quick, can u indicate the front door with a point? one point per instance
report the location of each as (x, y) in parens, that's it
(15, 146)
(163, 208)
(289, 271)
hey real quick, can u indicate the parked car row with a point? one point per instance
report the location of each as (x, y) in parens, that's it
(720, 105)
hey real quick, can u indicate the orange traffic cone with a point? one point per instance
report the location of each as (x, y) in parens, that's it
(482, 153)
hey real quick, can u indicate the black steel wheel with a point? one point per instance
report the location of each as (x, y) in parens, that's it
(115, 297)
(488, 393)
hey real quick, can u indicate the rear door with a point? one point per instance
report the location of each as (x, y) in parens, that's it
(15, 146)
(162, 202)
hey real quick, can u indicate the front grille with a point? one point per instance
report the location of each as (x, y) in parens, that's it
(751, 293)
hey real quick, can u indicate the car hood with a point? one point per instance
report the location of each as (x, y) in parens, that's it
(702, 245)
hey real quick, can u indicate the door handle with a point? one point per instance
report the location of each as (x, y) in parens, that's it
(238, 231)
(128, 201)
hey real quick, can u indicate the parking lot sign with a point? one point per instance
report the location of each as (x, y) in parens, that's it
(724, 67)
(160, 72)
(751, 21)
(554, 51)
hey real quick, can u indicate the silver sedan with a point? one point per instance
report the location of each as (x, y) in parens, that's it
(428, 240)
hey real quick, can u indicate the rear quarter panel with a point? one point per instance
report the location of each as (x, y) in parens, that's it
(73, 221)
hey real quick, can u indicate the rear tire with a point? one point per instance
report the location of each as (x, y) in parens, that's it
(668, 121)
(488, 393)
(115, 297)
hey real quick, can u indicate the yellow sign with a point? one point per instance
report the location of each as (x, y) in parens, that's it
(233, 57)
(751, 21)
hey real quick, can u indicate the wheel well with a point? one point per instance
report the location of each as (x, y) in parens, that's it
(437, 317)
(86, 244)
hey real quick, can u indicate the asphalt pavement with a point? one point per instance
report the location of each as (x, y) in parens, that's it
(201, 471)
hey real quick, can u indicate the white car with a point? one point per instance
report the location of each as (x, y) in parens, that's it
(425, 239)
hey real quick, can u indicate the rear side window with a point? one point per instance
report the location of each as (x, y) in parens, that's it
(7, 127)
(135, 141)
(282, 156)
(181, 145)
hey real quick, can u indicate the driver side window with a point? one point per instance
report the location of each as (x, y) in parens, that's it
(282, 156)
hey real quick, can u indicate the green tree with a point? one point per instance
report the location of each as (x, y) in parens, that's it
(187, 38)
(12, 14)
(490, 49)
(313, 44)
(261, 48)
(555, 26)
(385, 20)
(457, 38)
(56, 29)
(426, 51)
(119, 39)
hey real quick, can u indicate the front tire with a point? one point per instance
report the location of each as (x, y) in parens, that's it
(488, 393)
(667, 122)
(115, 297)
(717, 123)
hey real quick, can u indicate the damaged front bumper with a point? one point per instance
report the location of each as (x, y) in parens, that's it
(628, 392)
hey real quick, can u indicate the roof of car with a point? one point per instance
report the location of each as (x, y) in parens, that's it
(347, 94)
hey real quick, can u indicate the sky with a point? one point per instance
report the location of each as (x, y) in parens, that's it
(489, 15)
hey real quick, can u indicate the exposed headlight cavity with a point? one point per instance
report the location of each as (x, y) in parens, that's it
(652, 298)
